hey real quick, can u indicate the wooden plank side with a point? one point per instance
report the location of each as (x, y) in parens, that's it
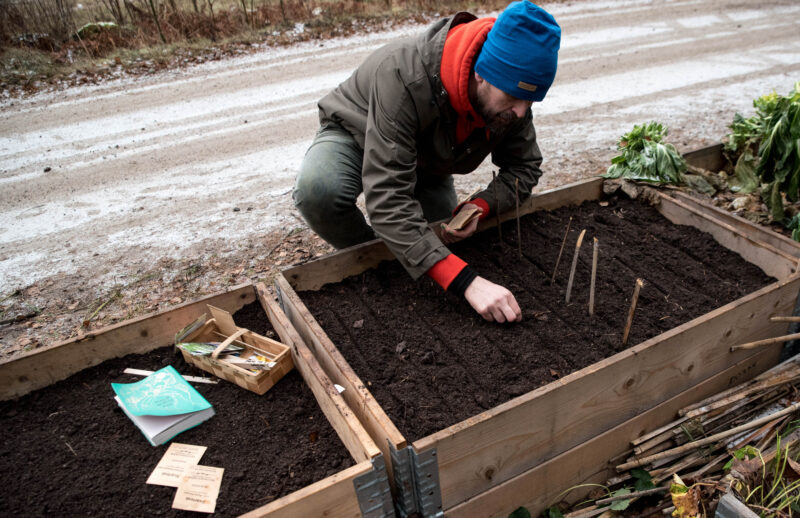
(764, 234)
(709, 158)
(358, 398)
(332, 497)
(42, 367)
(496, 445)
(573, 193)
(774, 262)
(341, 417)
(336, 266)
(587, 463)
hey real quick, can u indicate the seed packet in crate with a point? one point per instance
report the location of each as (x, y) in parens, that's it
(219, 346)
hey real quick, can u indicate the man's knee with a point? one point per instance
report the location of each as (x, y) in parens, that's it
(319, 198)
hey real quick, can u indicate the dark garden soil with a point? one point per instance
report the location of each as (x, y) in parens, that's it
(431, 361)
(68, 450)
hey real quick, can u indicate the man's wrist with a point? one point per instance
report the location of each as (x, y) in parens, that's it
(462, 281)
(446, 270)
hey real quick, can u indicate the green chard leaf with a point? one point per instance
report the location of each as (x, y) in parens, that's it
(745, 180)
(644, 157)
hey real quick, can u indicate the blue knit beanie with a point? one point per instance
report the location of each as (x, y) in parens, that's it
(520, 54)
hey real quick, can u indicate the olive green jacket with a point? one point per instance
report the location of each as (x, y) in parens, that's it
(398, 111)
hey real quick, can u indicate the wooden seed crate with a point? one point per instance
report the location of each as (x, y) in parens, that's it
(528, 450)
(334, 496)
(222, 326)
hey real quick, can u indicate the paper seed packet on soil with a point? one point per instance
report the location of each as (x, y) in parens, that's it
(198, 489)
(172, 465)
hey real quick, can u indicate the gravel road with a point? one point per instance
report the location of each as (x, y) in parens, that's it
(97, 183)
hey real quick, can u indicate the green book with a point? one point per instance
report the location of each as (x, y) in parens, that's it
(162, 405)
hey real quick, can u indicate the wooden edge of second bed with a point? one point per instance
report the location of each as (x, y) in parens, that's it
(588, 463)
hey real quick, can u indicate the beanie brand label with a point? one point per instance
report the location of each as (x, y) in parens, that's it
(526, 86)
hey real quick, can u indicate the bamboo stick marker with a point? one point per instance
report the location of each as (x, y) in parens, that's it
(594, 276)
(634, 300)
(574, 264)
(708, 440)
(784, 319)
(497, 207)
(561, 251)
(519, 228)
(766, 341)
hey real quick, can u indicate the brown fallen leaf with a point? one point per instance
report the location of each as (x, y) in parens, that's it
(795, 471)
(685, 499)
(22, 341)
(746, 470)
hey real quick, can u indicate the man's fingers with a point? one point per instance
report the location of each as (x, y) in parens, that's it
(471, 227)
(492, 301)
(516, 312)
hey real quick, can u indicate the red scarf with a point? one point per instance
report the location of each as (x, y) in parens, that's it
(461, 47)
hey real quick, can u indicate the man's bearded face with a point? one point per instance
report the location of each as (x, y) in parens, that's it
(498, 109)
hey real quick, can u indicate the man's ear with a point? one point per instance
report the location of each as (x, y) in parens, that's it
(478, 78)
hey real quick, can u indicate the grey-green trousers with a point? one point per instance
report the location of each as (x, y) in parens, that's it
(329, 183)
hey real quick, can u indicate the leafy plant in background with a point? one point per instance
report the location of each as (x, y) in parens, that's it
(644, 156)
(768, 149)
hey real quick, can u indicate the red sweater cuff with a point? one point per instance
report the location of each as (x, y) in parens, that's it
(446, 270)
(480, 202)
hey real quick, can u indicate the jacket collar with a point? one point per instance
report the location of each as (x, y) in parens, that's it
(430, 46)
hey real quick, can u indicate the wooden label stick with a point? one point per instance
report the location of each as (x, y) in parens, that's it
(595, 249)
(497, 207)
(519, 228)
(561, 251)
(574, 264)
(766, 341)
(784, 319)
(639, 284)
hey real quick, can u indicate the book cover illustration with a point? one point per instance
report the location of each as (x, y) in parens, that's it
(162, 405)
(164, 392)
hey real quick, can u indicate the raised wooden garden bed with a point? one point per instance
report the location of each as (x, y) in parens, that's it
(358, 490)
(525, 451)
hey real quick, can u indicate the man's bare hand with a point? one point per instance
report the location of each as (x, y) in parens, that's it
(451, 235)
(492, 301)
